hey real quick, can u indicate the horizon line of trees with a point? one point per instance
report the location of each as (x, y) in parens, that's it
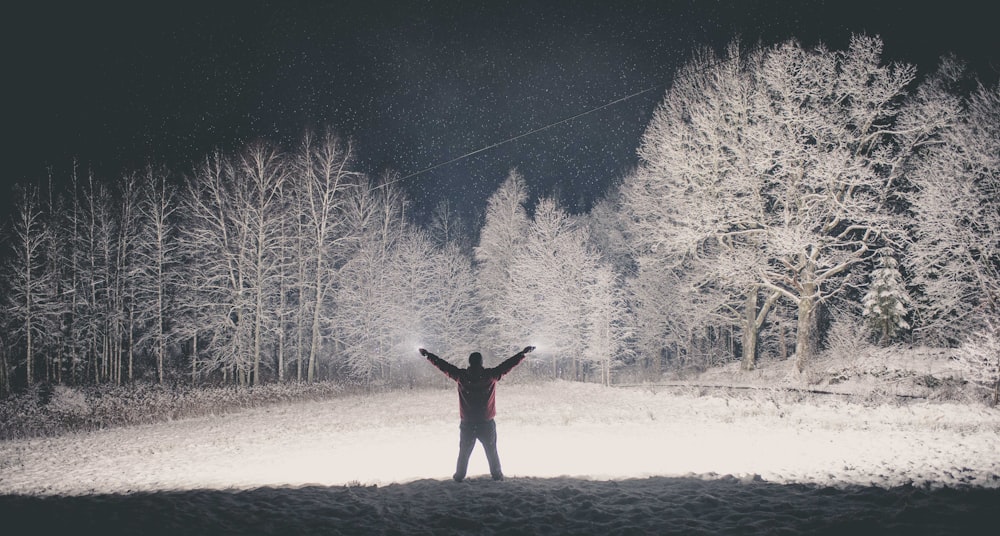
(782, 194)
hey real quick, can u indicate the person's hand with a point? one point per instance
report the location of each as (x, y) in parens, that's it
(422, 352)
(528, 349)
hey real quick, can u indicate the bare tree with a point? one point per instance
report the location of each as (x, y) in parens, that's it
(27, 276)
(324, 179)
(97, 243)
(446, 226)
(126, 279)
(216, 241)
(156, 266)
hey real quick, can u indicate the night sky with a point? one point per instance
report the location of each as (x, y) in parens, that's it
(413, 84)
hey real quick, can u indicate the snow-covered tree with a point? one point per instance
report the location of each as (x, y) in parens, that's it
(27, 277)
(446, 226)
(322, 182)
(608, 327)
(453, 317)
(696, 200)
(546, 301)
(980, 358)
(363, 314)
(885, 303)
(954, 195)
(235, 211)
(565, 298)
(157, 266)
(501, 241)
(778, 166)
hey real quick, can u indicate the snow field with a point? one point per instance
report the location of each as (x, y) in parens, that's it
(546, 430)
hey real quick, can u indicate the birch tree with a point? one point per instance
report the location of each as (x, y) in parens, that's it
(217, 242)
(323, 178)
(127, 279)
(27, 277)
(157, 266)
(364, 297)
(97, 243)
(57, 290)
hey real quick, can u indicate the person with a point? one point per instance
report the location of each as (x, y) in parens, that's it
(477, 406)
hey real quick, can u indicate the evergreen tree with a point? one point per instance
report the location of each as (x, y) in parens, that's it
(885, 303)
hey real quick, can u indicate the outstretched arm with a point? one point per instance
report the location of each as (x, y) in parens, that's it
(512, 361)
(449, 370)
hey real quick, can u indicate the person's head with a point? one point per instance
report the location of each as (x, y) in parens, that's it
(476, 360)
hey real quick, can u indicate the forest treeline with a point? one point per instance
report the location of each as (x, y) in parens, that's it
(786, 200)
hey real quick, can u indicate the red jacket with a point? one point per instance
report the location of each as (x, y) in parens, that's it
(476, 386)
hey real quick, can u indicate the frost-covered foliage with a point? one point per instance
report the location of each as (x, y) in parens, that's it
(846, 339)
(955, 198)
(68, 401)
(567, 299)
(501, 241)
(778, 173)
(768, 180)
(393, 298)
(53, 409)
(261, 267)
(980, 359)
(885, 303)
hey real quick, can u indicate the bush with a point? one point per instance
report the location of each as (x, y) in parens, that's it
(68, 401)
(847, 339)
(51, 410)
(980, 360)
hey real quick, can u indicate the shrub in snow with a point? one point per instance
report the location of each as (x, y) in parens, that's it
(884, 305)
(50, 410)
(68, 401)
(980, 359)
(846, 339)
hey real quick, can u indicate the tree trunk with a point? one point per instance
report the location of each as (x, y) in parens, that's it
(804, 328)
(131, 343)
(782, 345)
(194, 359)
(753, 321)
(4, 374)
(750, 332)
(160, 342)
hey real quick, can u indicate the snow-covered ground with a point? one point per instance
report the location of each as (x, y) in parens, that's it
(563, 442)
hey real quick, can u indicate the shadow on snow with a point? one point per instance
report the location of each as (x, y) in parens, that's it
(657, 505)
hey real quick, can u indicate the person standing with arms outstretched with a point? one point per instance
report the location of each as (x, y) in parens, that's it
(477, 406)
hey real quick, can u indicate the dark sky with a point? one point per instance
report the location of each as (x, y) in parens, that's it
(120, 85)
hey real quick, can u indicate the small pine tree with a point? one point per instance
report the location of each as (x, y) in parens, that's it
(885, 303)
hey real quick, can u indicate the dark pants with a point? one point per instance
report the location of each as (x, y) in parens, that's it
(486, 433)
